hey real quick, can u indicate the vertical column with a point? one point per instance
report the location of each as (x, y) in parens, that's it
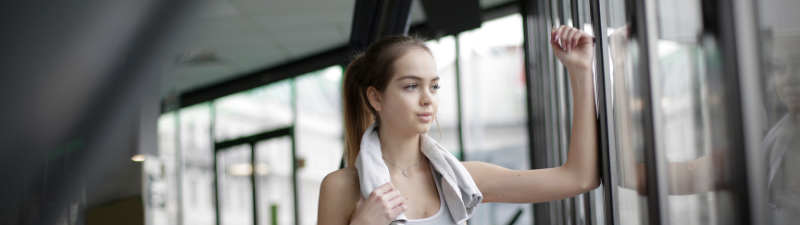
(537, 68)
(608, 156)
(643, 35)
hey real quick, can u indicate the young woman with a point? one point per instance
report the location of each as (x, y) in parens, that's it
(393, 84)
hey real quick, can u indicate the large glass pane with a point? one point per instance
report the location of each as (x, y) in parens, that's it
(235, 185)
(198, 172)
(780, 81)
(167, 183)
(626, 101)
(494, 105)
(444, 52)
(275, 192)
(682, 101)
(254, 111)
(319, 133)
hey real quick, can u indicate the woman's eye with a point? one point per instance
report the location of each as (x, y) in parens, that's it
(411, 87)
(435, 87)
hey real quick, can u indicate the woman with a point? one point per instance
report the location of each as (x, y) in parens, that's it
(393, 84)
(782, 143)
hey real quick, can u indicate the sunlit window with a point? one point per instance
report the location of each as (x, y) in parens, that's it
(494, 105)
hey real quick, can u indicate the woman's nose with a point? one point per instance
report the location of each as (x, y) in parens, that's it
(426, 99)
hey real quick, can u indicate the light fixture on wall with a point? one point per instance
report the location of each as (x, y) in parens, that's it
(245, 169)
(138, 158)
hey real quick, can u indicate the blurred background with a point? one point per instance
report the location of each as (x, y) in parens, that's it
(230, 111)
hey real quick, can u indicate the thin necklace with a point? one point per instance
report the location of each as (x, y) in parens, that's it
(404, 169)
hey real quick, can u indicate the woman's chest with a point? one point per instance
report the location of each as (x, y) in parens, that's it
(420, 195)
(791, 171)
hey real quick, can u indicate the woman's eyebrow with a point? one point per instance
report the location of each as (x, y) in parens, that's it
(416, 78)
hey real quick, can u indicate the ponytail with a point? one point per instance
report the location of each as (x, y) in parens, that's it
(357, 113)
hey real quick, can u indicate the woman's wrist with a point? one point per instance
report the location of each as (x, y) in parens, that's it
(581, 79)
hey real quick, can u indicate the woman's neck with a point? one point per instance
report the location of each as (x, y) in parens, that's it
(401, 149)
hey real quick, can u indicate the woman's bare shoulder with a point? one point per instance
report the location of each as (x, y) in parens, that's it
(345, 179)
(339, 193)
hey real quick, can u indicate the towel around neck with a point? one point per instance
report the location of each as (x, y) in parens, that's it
(460, 192)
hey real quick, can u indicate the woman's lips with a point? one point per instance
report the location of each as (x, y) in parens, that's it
(424, 117)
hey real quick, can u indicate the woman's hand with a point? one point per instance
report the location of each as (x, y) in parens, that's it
(576, 50)
(381, 207)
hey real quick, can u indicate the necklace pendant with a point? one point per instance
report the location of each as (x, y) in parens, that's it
(404, 172)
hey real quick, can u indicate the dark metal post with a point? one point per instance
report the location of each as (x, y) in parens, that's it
(294, 152)
(373, 19)
(216, 163)
(253, 181)
(643, 34)
(608, 158)
(721, 45)
(463, 149)
(536, 46)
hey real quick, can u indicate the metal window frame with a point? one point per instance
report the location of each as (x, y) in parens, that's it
(644, 32)
(722, 22)
(605, 119)
(251, 141)
(749, 65)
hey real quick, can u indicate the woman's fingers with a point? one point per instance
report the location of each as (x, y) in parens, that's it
(395, 201)
(387, 187)
(566, 40)
(397, 210)
(558, 35)
(389, 196)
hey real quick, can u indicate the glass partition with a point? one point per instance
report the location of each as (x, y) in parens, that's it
(253, 111)
(681, 98)
(494, 105)
(197, 178)
(444, 52)
(235, 185)
(779, 30)
(626, 100)
(274, 188)
(319, 133)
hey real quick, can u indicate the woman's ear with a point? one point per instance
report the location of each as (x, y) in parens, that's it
(374, 99)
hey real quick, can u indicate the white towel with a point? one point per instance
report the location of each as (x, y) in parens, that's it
(460, 192)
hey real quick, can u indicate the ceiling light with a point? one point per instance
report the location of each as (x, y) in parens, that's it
(193, 57)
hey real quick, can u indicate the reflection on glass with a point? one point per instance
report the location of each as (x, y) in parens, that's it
(444, 52)
(781, 84)
(235, 185)
(198, 173)
(254, 111)
(682, 101)
(494, 106)
(320, 143)
(627, 103)
(274, 181)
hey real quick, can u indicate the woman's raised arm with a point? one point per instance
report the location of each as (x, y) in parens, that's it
(575, 49)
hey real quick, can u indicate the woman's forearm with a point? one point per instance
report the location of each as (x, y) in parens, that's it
(583, 145)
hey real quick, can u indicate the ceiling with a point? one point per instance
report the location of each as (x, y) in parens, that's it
(230, 38)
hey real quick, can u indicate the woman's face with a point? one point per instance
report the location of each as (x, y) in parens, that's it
(410, 103)
(787, 82)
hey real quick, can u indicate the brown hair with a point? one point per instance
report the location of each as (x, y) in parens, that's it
(372, 68)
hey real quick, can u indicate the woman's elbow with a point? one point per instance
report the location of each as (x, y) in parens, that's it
(590, 183)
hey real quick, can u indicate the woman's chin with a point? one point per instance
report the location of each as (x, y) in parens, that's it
(423, 128)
